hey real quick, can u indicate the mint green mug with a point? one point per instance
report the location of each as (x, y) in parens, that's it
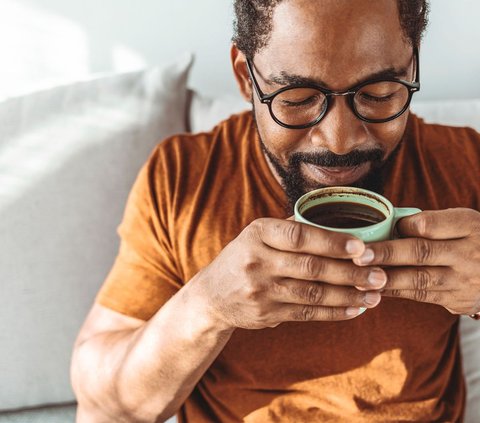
(380, 228)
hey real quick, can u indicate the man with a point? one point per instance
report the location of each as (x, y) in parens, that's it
(222, 309)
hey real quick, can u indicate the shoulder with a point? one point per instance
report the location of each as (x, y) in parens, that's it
(193, 147)
(444, 137)
(178, 164)
(448, 157)
(447, 145)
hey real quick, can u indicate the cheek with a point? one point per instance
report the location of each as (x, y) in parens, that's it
(389, 134)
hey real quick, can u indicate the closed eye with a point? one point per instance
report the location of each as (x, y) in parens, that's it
(306, 102)
(377, 99)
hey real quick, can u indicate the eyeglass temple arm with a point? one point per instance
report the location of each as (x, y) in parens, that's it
(417, 67)
(256, 87)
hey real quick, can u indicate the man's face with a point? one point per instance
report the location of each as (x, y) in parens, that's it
(336, 44)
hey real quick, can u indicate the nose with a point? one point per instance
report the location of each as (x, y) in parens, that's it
(340, 131)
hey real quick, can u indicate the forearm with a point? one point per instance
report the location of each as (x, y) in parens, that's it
(146, 374)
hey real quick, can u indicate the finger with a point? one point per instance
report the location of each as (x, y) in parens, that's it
(408, 252)
(337, 272)
(420, 278)
(293, 236)
(294, 291)
(440, 224)
(306, 313)
(420, 295)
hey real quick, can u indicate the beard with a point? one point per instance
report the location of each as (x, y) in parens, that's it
(295, 184)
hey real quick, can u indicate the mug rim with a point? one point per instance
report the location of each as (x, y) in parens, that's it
(344, 190)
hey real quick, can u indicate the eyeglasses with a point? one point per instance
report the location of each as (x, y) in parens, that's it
(302, 106)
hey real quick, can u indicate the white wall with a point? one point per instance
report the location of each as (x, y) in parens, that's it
(43, 41)
(451, 50)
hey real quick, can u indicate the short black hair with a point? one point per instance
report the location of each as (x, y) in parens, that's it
(253, 22)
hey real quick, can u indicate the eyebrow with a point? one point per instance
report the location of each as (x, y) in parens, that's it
(291, 79)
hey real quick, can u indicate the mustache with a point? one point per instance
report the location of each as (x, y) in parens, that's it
(329, 159)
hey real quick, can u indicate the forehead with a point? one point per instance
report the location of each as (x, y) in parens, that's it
(337, 41)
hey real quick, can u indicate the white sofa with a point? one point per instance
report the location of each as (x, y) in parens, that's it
(68, 156)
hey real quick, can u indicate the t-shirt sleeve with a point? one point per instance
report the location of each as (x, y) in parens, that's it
(144, 274)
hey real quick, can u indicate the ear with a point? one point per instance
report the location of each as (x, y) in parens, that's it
(240, 72)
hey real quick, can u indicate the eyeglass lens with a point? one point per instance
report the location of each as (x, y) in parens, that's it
(375, 101)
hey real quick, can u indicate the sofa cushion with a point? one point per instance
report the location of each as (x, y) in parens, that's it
(68, 158)
(205, 112)
(62, 413)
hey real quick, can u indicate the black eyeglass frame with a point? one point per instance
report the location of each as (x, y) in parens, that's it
(413, 87)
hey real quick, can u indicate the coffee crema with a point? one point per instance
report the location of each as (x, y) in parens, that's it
(343, 215)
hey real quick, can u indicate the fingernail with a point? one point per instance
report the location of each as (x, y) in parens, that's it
(354, 246)
(372, 298)
(366, 257)
(377, 278)
(355, 311)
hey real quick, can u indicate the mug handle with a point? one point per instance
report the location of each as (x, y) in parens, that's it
(399, 213)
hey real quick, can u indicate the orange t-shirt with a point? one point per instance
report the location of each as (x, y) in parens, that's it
(397, 362)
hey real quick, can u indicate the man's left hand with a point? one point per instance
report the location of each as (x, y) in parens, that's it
(437, 259)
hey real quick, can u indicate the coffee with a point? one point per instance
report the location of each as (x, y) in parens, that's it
(343, 215)
(356, 211)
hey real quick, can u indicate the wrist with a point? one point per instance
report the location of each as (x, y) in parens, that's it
(204, 308)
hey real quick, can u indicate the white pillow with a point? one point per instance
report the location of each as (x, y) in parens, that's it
(68, 158)
(206, 112)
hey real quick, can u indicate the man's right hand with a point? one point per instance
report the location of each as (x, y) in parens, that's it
(280, 270)
(274, 271)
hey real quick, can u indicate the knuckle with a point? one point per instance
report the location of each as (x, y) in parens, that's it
(387, 253)
(306, 313)
(315, 294)
(251, 292)
(311, 267)
(294, 235)
(422, 279)
(420, 295)
(422, 250)
(253, 232)
(251, 263)
(395, 293)
(443, 278)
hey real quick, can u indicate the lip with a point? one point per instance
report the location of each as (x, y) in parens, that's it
(336, 175)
